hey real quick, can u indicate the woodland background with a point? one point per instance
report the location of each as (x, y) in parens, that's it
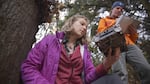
(19, 20)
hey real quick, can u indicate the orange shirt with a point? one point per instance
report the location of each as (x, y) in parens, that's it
(107, 22)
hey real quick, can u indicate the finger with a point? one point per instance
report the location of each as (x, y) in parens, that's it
(117, 52)
(109, 52)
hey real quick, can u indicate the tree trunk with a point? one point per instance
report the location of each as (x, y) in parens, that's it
(18, 25)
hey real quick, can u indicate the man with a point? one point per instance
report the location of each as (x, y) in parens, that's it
(133, 55)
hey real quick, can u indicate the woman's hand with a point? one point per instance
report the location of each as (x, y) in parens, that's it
(111, 58)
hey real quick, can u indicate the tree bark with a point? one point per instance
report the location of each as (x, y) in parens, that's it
(18, 25)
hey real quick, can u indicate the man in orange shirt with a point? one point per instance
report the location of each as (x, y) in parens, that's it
(133, 55)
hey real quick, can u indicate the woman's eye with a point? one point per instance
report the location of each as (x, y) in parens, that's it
(82, 23)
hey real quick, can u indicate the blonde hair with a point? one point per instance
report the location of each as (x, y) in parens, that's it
(67, 27)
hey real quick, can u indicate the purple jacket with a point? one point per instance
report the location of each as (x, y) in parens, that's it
(41, 64)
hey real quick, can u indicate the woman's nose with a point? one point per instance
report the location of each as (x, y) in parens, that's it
(84, 27)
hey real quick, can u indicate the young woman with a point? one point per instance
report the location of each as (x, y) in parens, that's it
(64, 58)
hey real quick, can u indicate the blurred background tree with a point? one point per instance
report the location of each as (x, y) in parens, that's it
(96, 9)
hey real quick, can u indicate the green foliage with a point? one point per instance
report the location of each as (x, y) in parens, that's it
(97, 56)
(89, 8)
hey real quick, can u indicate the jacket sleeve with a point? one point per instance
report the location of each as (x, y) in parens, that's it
(101, 26)
(90, 71)
(30, 68)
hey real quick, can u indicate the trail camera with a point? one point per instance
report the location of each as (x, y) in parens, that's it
(113, 37)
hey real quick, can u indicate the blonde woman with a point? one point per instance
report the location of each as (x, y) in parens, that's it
(63, 57)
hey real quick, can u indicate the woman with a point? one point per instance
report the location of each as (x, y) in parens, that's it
(64, 58)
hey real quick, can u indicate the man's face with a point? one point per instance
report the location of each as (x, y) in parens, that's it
(117, 11)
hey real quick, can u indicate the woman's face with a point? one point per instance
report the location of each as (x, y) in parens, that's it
(117, 11)
(79, 27)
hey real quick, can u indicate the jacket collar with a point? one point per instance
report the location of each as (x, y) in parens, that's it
(60, 35)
